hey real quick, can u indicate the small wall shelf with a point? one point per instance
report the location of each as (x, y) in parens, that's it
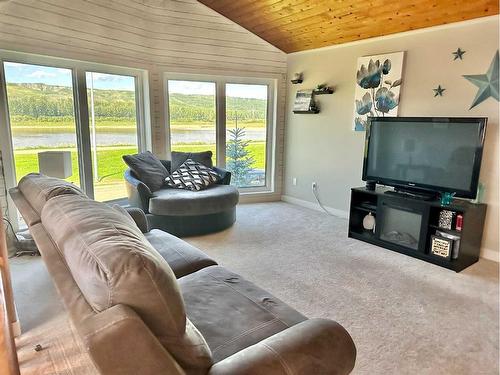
(307, 112)
(297, 81)
(323, 92)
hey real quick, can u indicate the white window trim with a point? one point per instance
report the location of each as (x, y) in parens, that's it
(220, 103)
(78, 68)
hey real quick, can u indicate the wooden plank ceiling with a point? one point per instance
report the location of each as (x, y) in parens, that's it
(297, 25)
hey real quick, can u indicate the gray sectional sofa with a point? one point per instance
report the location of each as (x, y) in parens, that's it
(145, 302)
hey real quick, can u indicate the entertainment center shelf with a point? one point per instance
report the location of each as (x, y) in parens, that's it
(408, 226)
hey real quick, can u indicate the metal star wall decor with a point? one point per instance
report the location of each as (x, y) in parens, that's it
(438, 91)
(459, 53)
(487, 83)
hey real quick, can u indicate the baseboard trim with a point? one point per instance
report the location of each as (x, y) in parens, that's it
(314, 206)
(259, 197)
(488, 254)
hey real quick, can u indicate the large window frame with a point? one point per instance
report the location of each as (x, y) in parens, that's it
(78, 69)
(220, 103)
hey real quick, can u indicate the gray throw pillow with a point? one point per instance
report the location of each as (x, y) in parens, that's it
(178, 158)
(192, 175)
(148, 168)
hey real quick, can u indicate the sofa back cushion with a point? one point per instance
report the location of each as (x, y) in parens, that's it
(179, 158)
(38, 189)
(112, 263)
(148, 168)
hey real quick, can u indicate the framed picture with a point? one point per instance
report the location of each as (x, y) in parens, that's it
(441, 247)
(303, 100)
(378, 82)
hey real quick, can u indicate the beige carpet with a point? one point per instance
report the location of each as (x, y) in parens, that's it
(406, 316)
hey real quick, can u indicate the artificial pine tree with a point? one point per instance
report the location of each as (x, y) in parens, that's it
(239, 161)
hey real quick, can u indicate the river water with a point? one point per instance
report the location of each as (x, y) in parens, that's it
(30, 140)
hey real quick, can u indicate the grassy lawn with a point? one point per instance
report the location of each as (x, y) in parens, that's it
(257, 151)
(111, 166)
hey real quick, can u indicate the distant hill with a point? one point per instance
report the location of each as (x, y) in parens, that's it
(41, 100)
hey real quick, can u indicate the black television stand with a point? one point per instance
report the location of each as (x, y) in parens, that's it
(410, 226)
(413, 194)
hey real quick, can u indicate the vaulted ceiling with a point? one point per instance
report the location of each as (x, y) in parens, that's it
(297, 25)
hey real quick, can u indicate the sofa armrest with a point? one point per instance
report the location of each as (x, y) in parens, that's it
(315, 346)
(139, 217)
(120, 343)
(138, 192)
(225, 176)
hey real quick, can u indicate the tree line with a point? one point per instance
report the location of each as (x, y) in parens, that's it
(41, 100)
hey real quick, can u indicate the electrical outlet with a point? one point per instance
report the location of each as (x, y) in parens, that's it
(294, 181)
(314, 185)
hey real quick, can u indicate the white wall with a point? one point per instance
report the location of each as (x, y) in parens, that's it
(180, 36)
(325, 149)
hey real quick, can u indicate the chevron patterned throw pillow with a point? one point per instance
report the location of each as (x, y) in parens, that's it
(192, 175)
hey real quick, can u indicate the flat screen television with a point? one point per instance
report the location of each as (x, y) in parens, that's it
(425, 154)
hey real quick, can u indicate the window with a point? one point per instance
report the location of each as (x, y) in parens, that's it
(192, 116)
(92, 111)
(231, 117)
(42, 115)
(246, 133)
(113, 130)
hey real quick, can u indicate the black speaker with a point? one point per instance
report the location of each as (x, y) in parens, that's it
(370, 185)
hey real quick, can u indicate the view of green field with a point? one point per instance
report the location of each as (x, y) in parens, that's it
(42, 118)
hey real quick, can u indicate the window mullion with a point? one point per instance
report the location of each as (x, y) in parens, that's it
(221, 123)
(7, 148)
(139, 114)
(83, 131)
(271, 129)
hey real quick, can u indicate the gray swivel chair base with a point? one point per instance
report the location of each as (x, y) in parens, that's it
(185, 226)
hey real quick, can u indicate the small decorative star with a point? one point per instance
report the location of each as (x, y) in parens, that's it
(459, 53)
(487, 83)
(438, 91)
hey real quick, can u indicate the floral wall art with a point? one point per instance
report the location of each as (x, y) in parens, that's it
(378, 82)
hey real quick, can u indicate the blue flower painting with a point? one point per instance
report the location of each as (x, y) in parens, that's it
(378, 83)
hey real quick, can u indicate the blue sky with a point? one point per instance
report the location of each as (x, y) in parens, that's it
(208, 88)
(24, 73)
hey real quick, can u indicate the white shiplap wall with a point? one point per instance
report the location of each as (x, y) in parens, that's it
(157, 35)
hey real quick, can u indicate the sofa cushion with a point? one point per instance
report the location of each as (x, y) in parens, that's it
(183, 258)
(178, 158)
(112, 263)
(148, 168)
(192, 175)
(231, 312)
(38, 189)
(180, 202)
